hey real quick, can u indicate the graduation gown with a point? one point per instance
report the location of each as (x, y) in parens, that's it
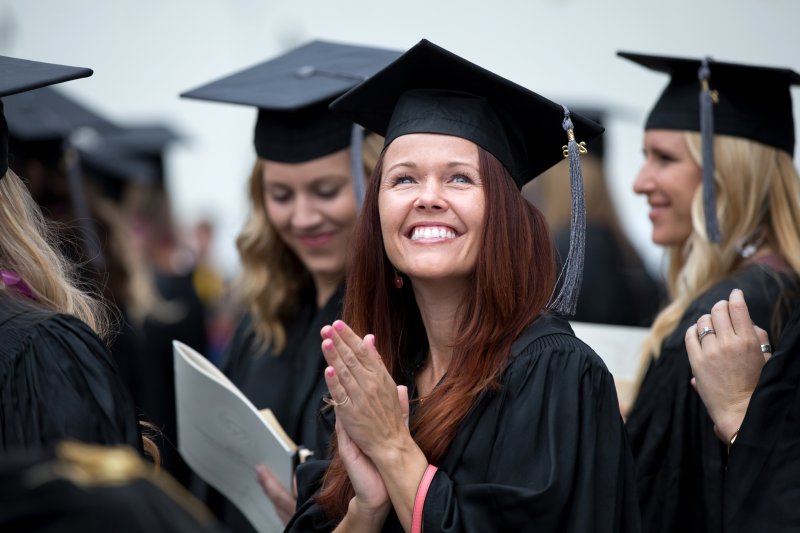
(680, 462)
(762, 481)
(290, 384)
(58, 381)
(547, 452)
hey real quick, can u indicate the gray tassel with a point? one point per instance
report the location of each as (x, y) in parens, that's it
(707, 99)
(571, 274)
(91, 243)
(357, 164)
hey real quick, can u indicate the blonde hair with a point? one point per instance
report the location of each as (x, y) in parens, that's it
(28, 248)
(758, 196)
(269, 284)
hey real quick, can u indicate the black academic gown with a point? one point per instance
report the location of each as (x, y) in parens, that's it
(545, 453)
(762, 481)
(58, 381)
(290, 384)
(679, 460)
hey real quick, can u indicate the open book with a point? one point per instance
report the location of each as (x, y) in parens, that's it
(620, 349)
(222, 436)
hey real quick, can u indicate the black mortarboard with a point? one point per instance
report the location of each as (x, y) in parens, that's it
(751, 101)
(89, 488)
(19, 76)
(292, 93)
(714, 97)
(126, 155)
(431, 90)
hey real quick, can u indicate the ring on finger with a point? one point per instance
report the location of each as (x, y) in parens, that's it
(330, 401)
(706, 330)
(766, 348)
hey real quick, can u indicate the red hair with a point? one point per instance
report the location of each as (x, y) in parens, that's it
(511, 284)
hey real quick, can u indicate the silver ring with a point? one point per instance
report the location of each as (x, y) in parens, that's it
(334, 403)
(705, 331)
(766, 348)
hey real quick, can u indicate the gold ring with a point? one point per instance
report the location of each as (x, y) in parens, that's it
(705, 331)
(334, 403)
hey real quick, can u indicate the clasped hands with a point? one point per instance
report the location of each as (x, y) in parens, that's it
(726, 362)
(371, 412)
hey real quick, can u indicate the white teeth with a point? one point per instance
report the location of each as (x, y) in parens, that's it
(432, 233)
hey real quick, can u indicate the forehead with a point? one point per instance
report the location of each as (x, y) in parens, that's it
(329, 167)
(430, 148)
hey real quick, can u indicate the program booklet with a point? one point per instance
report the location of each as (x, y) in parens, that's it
(222, 436)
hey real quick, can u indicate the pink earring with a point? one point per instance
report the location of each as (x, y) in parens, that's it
(398, 280)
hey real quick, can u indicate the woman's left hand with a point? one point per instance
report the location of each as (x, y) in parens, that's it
(727, 362)
(367, 397)
(284, 502)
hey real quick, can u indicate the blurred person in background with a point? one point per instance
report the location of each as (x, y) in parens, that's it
(725, 203)
(304, 192)
(58, 379)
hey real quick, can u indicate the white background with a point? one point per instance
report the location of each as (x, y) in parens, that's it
(145, 52)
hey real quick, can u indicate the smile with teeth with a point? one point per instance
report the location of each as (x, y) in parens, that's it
(432, 232)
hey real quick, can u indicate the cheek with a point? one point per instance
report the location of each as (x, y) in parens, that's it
(278, 214)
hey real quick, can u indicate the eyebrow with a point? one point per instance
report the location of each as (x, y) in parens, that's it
(451, 164)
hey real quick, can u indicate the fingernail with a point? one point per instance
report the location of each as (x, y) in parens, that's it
(327, 344)
(338, 325)
(737, 292)
(330, 372)
(327, 332)
(370, 339)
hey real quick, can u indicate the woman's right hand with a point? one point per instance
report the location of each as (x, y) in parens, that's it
(371, 495)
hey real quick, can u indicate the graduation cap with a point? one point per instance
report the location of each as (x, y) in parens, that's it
(431, 90)
(292, 93)
(17, 77)
(125, 155)
(84, 487)
(713, 97)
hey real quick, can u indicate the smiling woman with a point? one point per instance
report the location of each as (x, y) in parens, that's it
(726, 204)
(461, 402)
(293, 247)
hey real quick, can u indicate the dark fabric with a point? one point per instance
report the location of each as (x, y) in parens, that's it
(35, 497)
(57, 381)
(611, 277)
(546, 453)
(155, 396)
(762, 481)
(679, 460)
(752, 101)
(531, 126)
(291, 384)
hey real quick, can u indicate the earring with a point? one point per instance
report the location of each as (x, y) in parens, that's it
(398, 280)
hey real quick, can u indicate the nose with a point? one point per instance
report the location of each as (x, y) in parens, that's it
(305, 214)
(431, 197)
(644, 183)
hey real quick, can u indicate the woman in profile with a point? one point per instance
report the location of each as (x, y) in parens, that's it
(725, 202)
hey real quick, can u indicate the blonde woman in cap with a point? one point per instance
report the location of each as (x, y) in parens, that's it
(725, 202)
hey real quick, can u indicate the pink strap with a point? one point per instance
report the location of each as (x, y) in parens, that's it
(419, 500)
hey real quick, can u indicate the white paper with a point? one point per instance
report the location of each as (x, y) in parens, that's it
(620, 348)
(222, 436)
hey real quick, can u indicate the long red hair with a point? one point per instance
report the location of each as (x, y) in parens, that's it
(511, 284)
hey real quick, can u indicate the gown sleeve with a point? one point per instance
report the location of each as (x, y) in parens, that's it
(546, 453)
(559, 460)
(63, 384)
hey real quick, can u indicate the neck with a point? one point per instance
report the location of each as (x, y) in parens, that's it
(325, 286)
(439, 305)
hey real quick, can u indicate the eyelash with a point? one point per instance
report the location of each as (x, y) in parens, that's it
(400, 180)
